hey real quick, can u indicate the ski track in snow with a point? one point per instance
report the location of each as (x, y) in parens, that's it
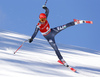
(38, 59)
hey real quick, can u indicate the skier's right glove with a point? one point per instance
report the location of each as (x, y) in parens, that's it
(30, 40)
(44, 7)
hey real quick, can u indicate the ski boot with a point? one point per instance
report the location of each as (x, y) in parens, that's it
(62, 61)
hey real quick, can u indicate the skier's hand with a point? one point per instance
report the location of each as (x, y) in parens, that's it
(30, 40)
(44, 7)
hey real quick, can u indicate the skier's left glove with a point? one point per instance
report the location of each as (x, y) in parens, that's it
(30, 40)
(44, 7)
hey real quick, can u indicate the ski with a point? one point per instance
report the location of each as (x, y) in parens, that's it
(78, 21)
(74, 70)
(69, 67)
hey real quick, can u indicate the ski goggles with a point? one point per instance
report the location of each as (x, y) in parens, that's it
(42, 19)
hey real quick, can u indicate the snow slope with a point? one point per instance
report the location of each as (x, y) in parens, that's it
(38, 59)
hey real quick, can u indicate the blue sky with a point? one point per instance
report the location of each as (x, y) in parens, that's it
(21, 16)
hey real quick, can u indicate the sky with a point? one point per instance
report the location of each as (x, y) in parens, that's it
(21, 16)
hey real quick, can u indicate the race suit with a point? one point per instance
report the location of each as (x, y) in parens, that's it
(49, 33)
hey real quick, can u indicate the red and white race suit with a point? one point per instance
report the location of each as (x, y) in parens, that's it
(44, 28)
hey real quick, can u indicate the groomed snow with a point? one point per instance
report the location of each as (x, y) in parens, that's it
(38, 59)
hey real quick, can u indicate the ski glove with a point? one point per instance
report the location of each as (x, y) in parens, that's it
(30, 40)
(44, 7)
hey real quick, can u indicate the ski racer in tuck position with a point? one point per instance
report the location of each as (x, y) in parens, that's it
(49, 33)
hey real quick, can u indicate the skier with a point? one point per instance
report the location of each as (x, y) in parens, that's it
(49, 33)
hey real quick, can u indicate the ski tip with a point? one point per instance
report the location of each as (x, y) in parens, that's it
(73, 69)
(91, 22)
(76, 72)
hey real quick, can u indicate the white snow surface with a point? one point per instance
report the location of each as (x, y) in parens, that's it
(38, 59)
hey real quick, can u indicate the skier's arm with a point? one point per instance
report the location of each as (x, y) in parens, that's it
(46, 10)
(34, 34)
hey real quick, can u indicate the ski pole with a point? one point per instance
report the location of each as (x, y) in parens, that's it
(20, 46)
(45, 2)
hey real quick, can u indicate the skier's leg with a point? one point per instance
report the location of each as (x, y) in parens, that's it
(75, 22)
(51, 40)
(54, 46)
(60, 28)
